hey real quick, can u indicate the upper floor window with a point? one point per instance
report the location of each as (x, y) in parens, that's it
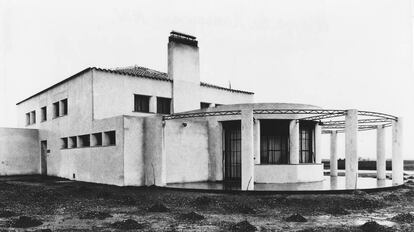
(43, 114)
(204, 105)
(56, 109)
(31, 118)
(64, 106)
(163, 105)
(141, 103)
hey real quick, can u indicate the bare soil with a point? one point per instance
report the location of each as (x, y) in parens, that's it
(55, 204)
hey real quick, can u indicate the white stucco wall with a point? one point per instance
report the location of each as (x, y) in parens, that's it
(288, 173)
(186, 149)
(219, 96)
(19, 151)
(113, 94)
(134, 151)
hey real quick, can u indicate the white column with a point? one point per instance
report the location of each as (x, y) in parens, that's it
(351, 151)
(153, 104)
(334, 154)
(318, 135)
(247, 152)
(381, 168)
(256, 128)
(397, 159)
(294, 142)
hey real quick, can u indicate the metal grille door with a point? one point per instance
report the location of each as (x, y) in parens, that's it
(232, 151)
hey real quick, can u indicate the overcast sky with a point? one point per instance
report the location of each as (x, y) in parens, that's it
(331, 53)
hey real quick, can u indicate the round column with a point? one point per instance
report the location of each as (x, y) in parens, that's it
(381, 168)
(351, 151)
(334, 154)
(397, 160)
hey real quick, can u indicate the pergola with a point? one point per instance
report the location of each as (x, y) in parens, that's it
(331, 122)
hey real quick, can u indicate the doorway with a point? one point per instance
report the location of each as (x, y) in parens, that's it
(43, 157)
(232, 150)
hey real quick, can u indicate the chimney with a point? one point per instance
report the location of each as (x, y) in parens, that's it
(184, 69)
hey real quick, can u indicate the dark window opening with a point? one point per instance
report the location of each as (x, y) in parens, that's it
(306, 142)
(56, 109)
(97, 139)
(27, 119)
(274, 142)
(43, 114)
(204, 105)
(33, 117)
(163, 105)
(109, 138)
(64, 142)
(64, 107)
(232, 150)
(141, 103)
(84, 140)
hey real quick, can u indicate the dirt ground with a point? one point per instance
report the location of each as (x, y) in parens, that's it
(62, 205)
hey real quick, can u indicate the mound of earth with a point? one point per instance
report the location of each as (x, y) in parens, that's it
(373, 226)
(243, 226)
(128, 224)
(192, 216)
(25, 222)
(158, 207)
(240, 208)
(95, 215)
(403, 217)
(6, 213)
(296, 218)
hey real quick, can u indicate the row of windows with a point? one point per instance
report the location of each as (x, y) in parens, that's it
(142, 104)
(107, 138)
(204, 105)
(60, 108)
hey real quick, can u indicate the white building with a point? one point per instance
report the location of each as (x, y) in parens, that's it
(137, 126)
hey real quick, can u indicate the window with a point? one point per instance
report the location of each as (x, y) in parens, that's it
(56, 109)
(141, 103)
(306, 142)
(163, 105)
(204, 105)
(274, 142)
(109, 138)
(64, 143)
(27, 119)
(33, 117)
(73, 142)
(96, 139)
(43, 114)
(64, 105)
(84, 141)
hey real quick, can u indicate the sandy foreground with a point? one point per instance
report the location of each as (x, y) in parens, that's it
(35, 203)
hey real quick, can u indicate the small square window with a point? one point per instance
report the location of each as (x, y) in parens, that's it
(204, 105)
(73, 143)
(64, 143)
(141, 103)
(43, 114)
(109, 138)
(163, 105)
(56, 109)
(84, 141)
(96, 139)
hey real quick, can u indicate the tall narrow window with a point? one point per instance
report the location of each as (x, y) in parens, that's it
(163, 105)
(56, 109)
(274, 141)
(33, 117)
(43, 114)
(64, 105)
(306, 142)
(27, 119)
(141, 103)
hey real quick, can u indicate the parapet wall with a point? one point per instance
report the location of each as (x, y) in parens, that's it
(19, 151)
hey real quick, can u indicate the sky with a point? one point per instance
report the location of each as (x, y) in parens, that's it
(337, 54)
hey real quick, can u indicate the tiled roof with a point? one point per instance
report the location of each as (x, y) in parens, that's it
(136, 71)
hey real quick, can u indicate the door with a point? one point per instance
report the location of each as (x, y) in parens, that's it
(232, 150)
(43, 157)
